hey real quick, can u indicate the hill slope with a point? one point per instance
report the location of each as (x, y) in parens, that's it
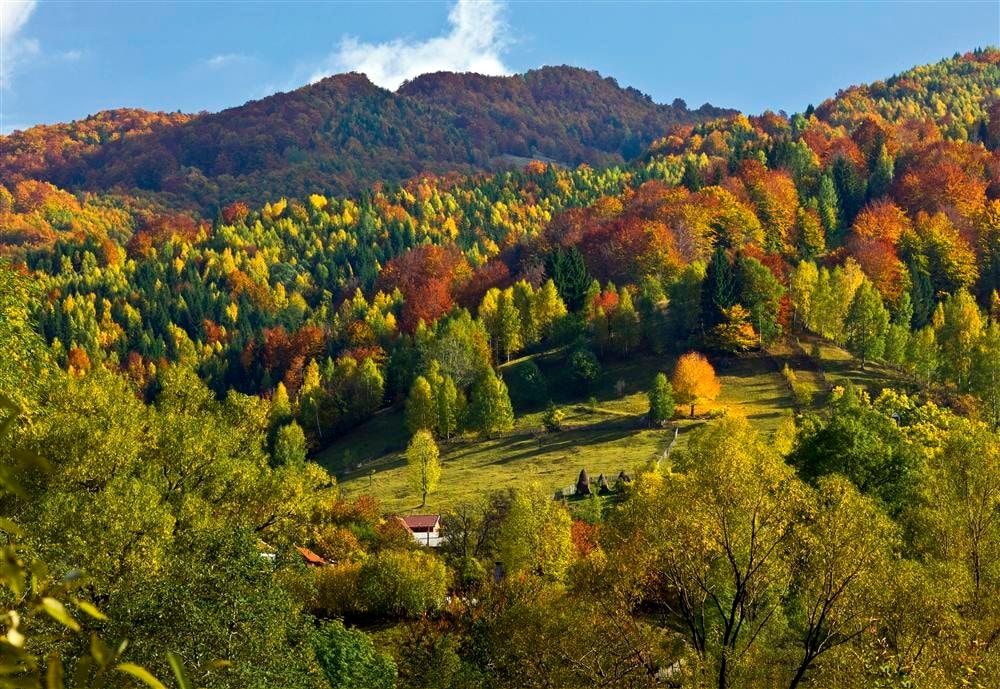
(343, 134)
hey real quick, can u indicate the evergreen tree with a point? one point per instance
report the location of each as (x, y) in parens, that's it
(491, 410)
(421, 410)
(692, 175)
(829, 207)
(921, 292)
(850, 186)
(661, 400)
(880, 179)
(568, 271)
(718, 290)
(760, 292)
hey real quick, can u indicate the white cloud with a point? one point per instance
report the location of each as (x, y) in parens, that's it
(14, 47)
(225, 60)
(475, 41)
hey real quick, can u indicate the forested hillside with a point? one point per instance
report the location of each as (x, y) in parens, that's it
(344, 134)
(789, 324)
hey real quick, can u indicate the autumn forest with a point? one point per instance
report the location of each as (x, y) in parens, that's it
(697, 398)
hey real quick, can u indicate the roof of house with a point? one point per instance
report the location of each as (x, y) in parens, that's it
(310, 557)
(421, 522)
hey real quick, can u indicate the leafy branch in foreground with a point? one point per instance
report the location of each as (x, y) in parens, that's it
(34, 599)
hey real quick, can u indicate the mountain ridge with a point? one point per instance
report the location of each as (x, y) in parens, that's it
(343, 133)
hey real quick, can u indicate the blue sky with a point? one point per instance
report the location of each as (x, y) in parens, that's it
(64, 60)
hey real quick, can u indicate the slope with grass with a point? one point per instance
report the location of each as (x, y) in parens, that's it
(604, 431)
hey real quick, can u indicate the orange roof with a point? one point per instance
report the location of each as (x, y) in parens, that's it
(421, 522)
(310, 557)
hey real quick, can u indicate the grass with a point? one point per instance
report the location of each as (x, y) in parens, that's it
(842, 369)
(605, 438)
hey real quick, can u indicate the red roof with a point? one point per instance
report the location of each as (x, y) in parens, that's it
(422, 522)
(310, 557)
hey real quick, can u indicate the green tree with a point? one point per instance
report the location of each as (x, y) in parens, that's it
(584, 368)
(625, 323)
(446, 399)
(692, 175)
(958, 335)
(844, 549)
(865, 446)
(524, 301)
(922, 356)
(801, 287)
(509, 335)
(548, 308)
(718, 290)
(535, 535)
(491, 408)
(568, 271)
(421, 410)
(985, 372)
(880, 179)
(829, 206)
(290, 445)
(712, 534)
(661, 400)
(424, 465)
(403, 583)
(370, 388)
(866, 324)
(350, 660)
(761, 293)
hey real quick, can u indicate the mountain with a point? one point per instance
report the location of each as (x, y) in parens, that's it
(343, 134)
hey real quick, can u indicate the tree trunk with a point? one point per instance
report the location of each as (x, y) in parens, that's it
(423, 500)
(692, 410)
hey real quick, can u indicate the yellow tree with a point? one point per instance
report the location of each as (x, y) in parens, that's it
(694, 380)
(424, 465)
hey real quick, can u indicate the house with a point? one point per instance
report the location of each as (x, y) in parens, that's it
(310, 557)
(426, 528)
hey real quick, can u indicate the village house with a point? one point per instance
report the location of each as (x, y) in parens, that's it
(426, 528)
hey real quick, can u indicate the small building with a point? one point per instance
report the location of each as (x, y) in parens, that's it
(426, 528)
(310, 557)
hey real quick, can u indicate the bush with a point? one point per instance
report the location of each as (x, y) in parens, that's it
(403, 583)
(553, 418)
(350, 660)
(583, 368)
(337, 589)
(527, 385)
(802, 392)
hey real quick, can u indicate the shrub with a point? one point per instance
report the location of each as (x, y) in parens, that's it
(583, 368)
(553, 418)
(403, 583)
(350, 660)
(337, 589)
(527, 385)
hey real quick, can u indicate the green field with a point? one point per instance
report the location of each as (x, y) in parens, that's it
(604, 438)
